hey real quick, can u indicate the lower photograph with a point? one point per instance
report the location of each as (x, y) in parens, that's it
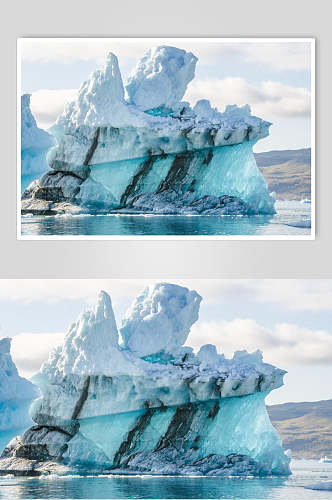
(166, 389)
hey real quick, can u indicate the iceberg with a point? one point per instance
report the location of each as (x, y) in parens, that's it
(16, 394)
(320, 486)
(139, 400)
(140, 148)
(35, 143)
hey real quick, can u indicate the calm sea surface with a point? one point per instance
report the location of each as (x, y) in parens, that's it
(292, 219)
(288, 488)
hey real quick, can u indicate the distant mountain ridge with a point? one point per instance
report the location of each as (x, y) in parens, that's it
(288, 172)
(306, 428)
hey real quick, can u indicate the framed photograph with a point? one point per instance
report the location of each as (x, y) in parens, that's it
(182, 138)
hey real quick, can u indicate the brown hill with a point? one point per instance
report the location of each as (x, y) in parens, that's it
(287, 172)
(305, 428)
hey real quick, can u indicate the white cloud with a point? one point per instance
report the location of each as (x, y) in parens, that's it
(278, 55)
(267, 100)
(284, 344)
(46, 105)
(285, 55)
(54, 290)
(30, 350)
(70, 50)
(296, 294)
(293, 294)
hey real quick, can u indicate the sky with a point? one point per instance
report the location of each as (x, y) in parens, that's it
(274, 77)
(289, 320)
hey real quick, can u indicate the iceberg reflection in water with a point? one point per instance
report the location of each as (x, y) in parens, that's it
(292, 219)
(282, 488)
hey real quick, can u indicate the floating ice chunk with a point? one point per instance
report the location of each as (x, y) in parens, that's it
(323, 485)
(161, 77)
(306, 223)
(160, 318)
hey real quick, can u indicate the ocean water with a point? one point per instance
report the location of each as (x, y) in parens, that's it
(292, 219)
(129, 487)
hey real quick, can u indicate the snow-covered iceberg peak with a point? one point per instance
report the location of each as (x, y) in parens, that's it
(32, 137)
(15, 392)
(90, 346)
(12, 386)
(161, 77)
(99, 101)
(160, 319)
(5, 346)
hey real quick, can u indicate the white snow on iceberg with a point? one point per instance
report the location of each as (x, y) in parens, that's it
(160, 78)
(159, 320)
(91, 346)
(99, 101)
